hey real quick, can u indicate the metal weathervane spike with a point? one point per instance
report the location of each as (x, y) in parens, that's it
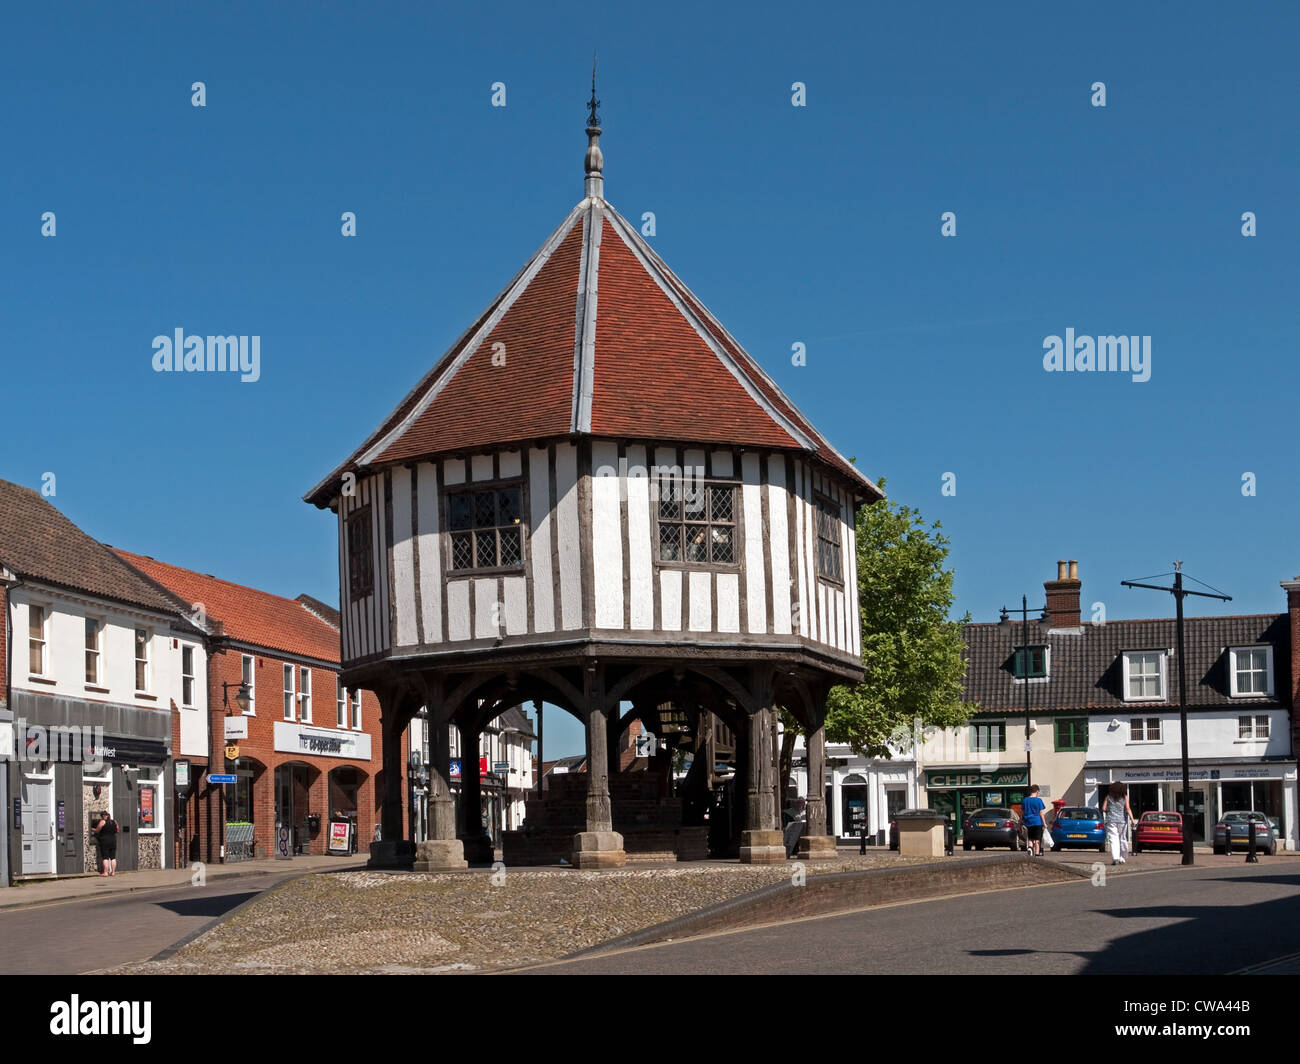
(595, 187)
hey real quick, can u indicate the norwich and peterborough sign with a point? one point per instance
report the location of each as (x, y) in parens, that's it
(942, 780)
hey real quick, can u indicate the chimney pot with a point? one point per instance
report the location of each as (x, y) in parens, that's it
(1074, 569)
(1060, 570)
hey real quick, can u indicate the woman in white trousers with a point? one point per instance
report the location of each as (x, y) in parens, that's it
(1116, 814)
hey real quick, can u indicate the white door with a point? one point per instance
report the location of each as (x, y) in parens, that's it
(38, 827)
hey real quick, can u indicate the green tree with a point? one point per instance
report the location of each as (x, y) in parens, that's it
(911, 650)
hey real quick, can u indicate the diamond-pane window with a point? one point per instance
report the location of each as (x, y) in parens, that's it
(829, 563)
(697, 521)
(486, 526)
(510, 546)
(670, 543)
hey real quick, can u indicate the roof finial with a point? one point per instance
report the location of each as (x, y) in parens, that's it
(595, 160)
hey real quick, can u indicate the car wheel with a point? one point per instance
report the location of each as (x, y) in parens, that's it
(1101, 848)
(979, 846)
(1137, 847)
(1219, 851)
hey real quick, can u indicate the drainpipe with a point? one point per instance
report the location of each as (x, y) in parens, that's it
(6, 827)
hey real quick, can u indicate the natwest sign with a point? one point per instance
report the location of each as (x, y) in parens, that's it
(293, 738)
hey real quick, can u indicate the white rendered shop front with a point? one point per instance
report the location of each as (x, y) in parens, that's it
(1215, 787)
(859, 790)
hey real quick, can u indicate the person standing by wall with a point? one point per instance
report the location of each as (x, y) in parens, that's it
(1116, 813)
(106, 837)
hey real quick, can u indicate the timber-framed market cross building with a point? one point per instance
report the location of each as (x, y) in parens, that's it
(597, 499)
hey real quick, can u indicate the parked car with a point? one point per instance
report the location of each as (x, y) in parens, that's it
(994, 826)
(1234, 827)
(1078, 825)
(1158, 828)
(948, 834)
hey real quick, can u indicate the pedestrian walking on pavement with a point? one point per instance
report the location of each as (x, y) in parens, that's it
(1117, 814)
(106, 837)
(1031, 810)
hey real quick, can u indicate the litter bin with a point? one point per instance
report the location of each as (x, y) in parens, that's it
(923, 833)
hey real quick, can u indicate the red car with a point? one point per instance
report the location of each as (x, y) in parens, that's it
(1158, 829)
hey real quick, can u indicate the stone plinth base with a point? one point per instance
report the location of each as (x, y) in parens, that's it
(478, 849)
(920, 838)
(817, 848)
(762, 847)
(440, 855)
(399, 853)
(598, 849)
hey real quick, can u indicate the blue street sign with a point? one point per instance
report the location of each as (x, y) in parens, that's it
(215, 778)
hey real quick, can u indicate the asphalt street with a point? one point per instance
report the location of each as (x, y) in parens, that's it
(89, 934)
(1200, 920)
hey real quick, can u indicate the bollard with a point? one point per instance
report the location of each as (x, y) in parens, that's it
(1251, 856)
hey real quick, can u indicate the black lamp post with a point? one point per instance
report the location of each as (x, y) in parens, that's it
(1179, 592)
(1024, 668)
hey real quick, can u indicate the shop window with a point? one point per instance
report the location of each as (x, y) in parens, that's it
(1030, 663)
(148, 802)
(1252, 728)
(1072, 733)
(1250, 672)
(988, 738)
(1144, 675)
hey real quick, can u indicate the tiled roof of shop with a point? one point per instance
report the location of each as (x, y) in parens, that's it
(39, 543)
(1085, 665)
(246, 614)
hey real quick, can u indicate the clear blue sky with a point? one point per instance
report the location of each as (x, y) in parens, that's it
(818, 225)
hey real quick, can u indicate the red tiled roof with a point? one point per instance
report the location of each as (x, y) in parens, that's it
(599, 338)
(246, 614)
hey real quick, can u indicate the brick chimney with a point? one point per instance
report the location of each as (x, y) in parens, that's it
(1063, 596)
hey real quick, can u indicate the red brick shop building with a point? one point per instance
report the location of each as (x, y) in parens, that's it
(305, 752)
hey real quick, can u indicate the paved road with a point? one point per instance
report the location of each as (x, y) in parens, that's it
(1199, 920)
(88, 934)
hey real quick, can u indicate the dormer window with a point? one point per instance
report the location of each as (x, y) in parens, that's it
(1030, 663)
(486, 525)
(1250, 672)
(1144, 675)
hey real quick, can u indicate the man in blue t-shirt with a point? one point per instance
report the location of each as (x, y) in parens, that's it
(1032, 811)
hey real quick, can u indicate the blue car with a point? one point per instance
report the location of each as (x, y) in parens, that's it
(1078, 825)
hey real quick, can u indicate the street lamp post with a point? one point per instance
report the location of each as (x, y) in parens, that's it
(1024, 650)
(1179, 592)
